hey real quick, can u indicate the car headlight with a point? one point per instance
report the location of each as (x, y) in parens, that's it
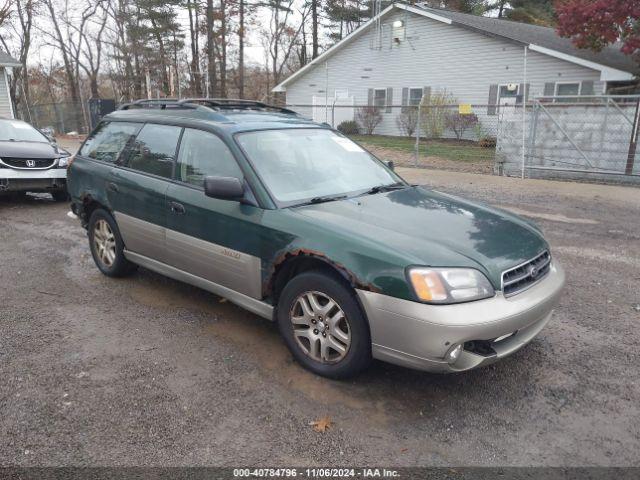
(449, 285)
(63, 162)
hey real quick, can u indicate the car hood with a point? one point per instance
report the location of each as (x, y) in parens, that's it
(27, 150)
(434, 229)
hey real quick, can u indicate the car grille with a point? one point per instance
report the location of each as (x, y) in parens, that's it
(38, 163)
(519, 278)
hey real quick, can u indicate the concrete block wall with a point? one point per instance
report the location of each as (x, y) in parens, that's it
(594, 138)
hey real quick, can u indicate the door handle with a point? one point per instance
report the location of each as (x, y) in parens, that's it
(112, 187)
(177, 208)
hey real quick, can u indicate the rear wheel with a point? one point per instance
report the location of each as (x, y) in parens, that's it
(107, 247)
(323, 325)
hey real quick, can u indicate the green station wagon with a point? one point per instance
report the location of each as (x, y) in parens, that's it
(293, 221)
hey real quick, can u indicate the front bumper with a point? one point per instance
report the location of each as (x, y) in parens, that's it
(32, 180)
(419, 335)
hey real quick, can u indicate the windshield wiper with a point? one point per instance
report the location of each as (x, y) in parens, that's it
(324, 199)
(385, 188)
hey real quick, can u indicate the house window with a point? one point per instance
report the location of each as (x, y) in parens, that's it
(341, 93)
(567, 89)
(380, 97)
(508, 94)
(415, 96)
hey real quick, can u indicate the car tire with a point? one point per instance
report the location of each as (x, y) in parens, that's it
(60, 195)
(107, 247)
(337, 345)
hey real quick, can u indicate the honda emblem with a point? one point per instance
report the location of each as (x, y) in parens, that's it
(31, 163)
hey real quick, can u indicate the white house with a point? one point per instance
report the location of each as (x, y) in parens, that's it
(407, 51)
(6, 63)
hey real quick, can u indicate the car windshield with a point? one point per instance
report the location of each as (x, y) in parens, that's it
(17, 131)
(300, 165)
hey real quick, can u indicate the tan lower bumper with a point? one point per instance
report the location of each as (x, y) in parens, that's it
(418, 335)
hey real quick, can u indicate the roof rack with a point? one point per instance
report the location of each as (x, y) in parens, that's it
(161, 103)
(212, 103)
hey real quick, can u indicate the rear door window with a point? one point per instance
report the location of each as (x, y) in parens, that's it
(203, 154)
(107, 142)
(154, 150)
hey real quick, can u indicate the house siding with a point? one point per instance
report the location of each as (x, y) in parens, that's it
(436, 55)
(5, 100)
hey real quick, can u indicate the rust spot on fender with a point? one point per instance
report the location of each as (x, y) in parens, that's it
(345, 272)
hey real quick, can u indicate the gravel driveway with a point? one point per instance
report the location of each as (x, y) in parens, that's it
(149, 371)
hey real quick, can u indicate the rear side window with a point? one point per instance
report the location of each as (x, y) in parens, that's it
(108, 140)
(203, 154)
(154, 150)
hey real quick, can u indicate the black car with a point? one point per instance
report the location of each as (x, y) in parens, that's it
(30, 161)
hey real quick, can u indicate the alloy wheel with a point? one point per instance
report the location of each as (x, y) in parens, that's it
(104, 242)
(320, 327)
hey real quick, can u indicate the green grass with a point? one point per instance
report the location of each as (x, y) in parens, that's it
(457, 150)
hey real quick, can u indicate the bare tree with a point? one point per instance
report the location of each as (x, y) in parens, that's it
(91, 51)
(194, 31)
(241, 12)
(5, 11)
(282, 35)
(223, 48)
(211, 53)
(69, 37)
(314, 28)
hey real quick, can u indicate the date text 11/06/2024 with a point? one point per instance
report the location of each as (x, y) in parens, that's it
(316, 472)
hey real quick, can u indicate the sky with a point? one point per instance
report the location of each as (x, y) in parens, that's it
(42, 53)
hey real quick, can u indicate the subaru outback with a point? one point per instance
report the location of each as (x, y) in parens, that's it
(293, 221)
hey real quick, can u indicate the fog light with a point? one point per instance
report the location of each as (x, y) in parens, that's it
(453, 353)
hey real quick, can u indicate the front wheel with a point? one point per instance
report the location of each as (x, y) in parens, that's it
(323, 325)
(107, 247)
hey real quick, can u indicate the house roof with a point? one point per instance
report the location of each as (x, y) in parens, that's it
(546, 37)
(612, 63)
(7, 60)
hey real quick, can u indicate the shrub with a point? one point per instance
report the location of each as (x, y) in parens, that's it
(460, 123)
(479, 131)
(349, 127)
(488, 142)
(435, 113)
(368, 118)
(407, 121)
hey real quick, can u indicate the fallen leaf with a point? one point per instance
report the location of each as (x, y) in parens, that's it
(322, 424)
(222, 300)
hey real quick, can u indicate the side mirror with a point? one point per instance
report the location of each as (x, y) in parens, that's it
(390, 164)
(223, 188)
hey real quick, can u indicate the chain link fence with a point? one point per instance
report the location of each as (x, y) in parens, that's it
(589, 138)
(62, 117)
(577, 138)
(448, 136)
